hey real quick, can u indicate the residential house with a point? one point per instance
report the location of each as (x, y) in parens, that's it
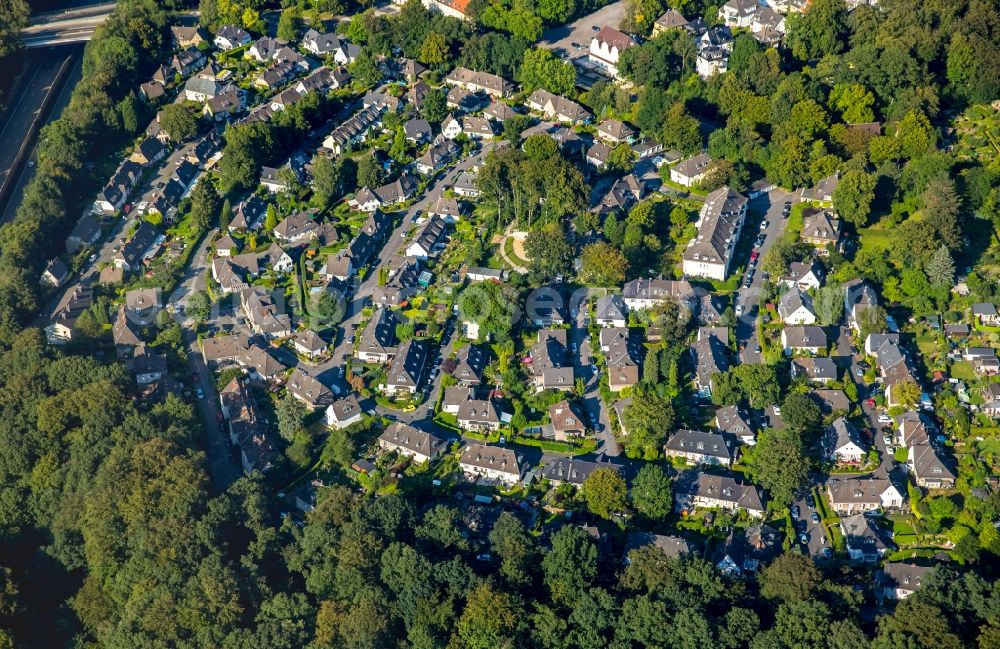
(142, 305)
(223, 106)
(296, 229)
(986, 314)
(477, 127)
(606, 47)
(865, 542)
(417, 131)
(709, 354)
(623, 354)
(719, 225)
(804, 275)
(615, 131)
(263, 314)
(404, 374)
(930, 470)
(622, 195)
(86, 232)
(73, 303)
(733, 421)
(229, 37)
(645, 293)
(220, 352)
(402, 281)
(428, 239)
(55, 273)
(119, 186)
(571, 470)
(858, 494)
(598, 155)
(185, 63)
(738, 13)
(126, 334)
(493, 463)
(821, 369)
(407, 440)
(343, 412)
(711, 61)
(672, 19)
(478, 415)
(843, 443)
(378, 342)
(148, 367)
(898, 581)
(205, 85)
(698, 447)
(545, 361)
(748, 549)
(149, 151)
(673, 547)
(610, 311)
(323, 80)
(558, 108)
(481, 274)
(247, 430)
(308, 390)
(820, 227)
(695, 489)
(470, 363)
(343, 138)
(691, 171)
(822, 192)
(309, 344)
(369, 200)
(330, 45)
(436, 157)
(491, 84)
(182, 37)
(796, 308)
(263, 49)
(566, 423)
(858, 296)
(143, 245)
(803, 339)
(449, 209)
(276, 75)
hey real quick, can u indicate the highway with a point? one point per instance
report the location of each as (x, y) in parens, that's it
(26, 102)
(63, 27)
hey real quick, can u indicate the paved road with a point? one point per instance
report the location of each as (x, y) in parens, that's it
(61, 27)
(771, 204)
(560, 39)
(592, 404)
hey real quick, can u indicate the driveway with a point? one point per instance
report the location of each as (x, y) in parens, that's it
(592, 404)
(771, 204)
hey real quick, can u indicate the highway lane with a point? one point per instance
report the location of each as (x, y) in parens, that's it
(11, 140)
(23, 106)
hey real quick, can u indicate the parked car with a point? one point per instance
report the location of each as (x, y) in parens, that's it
(763, 224)
(887, 440)
(795, 511)
(200, 393)
(804, 539)
(815, 518)
(884, 419)
(739, 310)
(810, 501)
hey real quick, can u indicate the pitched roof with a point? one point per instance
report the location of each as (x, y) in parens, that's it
(717, 445)
(615, 38)
(573, 470)
(719, 487)
(495, 458)
(719, 219)
(408, 437)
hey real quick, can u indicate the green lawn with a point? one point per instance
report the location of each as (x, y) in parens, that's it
(962, 370)
(508, 248)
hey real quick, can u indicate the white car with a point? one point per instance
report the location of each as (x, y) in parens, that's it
(763, 225)
(884, 419)
(739, 310)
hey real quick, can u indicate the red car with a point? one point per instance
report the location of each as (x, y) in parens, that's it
(754, 255)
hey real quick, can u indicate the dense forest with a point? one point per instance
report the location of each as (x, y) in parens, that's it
(110, 534)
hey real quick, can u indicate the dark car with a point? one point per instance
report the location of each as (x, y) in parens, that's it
(804, 539)
(595, 28)
(810, 501)
(827, 553)
(575, 45)
(795, 511)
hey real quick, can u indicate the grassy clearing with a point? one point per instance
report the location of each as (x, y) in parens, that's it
(508, 248)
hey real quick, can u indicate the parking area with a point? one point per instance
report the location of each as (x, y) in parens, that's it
(573, 40)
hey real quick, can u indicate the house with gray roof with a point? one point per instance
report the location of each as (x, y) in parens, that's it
(378, 342)
(699, 447)
(719, 225)
(407, 367)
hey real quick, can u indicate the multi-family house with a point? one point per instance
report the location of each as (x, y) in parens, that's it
(407, 440)
(719, 225)
(699, 447)
(494, 463)
(857, 494)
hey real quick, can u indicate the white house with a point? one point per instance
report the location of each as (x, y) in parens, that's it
(343, 412)
(690, 171)
(230, 37)
(719, 225)
(494, 463)
(606, 48)
(796, 308)
(843, 443)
